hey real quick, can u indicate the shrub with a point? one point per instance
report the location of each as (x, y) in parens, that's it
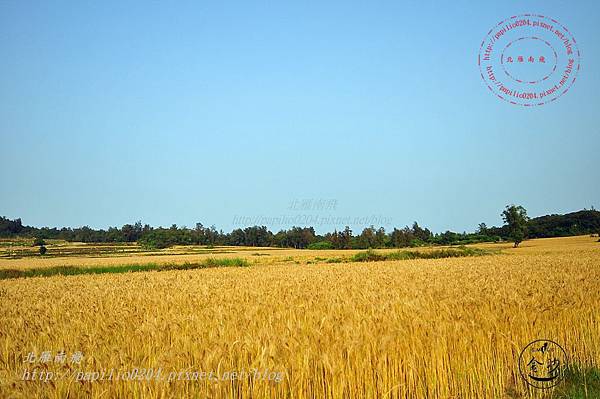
(321, 245)
(367, 256)
(417, 243)
(156, 239)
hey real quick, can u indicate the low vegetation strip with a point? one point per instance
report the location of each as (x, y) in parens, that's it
(579, 382)
(74, 270)
(372, 256)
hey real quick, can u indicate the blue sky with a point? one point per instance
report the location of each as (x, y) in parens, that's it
(112, 112)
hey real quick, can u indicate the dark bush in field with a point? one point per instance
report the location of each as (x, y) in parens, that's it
(321, 245)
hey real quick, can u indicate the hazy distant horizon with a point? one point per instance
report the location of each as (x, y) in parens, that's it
(319, 228)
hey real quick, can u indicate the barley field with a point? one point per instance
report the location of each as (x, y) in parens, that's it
(294, 325)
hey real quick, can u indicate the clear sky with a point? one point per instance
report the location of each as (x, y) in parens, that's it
(113, 112)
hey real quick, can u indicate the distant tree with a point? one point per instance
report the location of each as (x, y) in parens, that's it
(401, 238)
(9, 227)
(296, 237)
(333, 238)
(257, 236)
(237, 237)
(156, 239)
(366, 239)
(345, 238)
(482, 229)
(381, 239)
(39, 242)
(584, 222)
(421, 234)
(516, 219)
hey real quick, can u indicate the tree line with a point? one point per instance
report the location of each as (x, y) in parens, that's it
(517, 226)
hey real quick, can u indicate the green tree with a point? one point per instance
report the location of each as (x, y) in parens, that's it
(482, 229)
(366, 239)
(516, 219)
(381, 239)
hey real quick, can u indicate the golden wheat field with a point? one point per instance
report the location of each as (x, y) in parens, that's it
(288, 327)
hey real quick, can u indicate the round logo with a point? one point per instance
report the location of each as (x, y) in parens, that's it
(529, 60)
(543, 363)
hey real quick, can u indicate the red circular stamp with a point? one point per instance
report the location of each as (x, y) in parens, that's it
(529, 60)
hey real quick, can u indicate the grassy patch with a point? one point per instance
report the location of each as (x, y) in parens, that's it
(372, 256)
(368, 256)
(15, 243)
(225, 262)
(74, 270)
(319, 259)
(579, 384)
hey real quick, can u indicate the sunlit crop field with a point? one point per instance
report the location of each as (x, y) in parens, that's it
(429, 328)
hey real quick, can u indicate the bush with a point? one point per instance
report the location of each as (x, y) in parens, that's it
(367, 256)
(42, 250)
(156, 239)
(321, 245)
(417, 243)
(39, 241)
